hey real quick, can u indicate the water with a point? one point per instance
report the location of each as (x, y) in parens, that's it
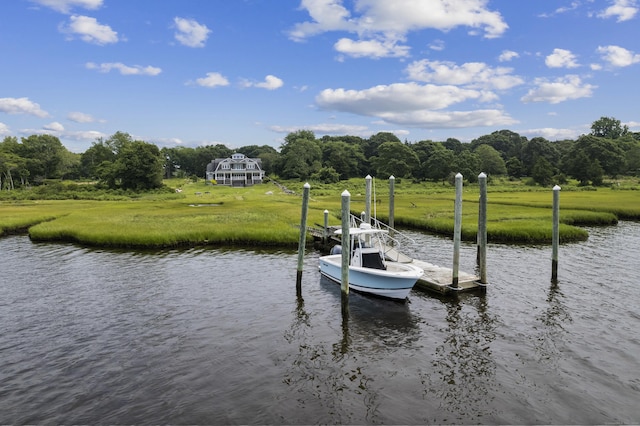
(204, 336)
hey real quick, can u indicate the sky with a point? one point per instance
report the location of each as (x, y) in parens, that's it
(249, 72)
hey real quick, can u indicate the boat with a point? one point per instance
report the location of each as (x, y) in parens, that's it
(369, 271)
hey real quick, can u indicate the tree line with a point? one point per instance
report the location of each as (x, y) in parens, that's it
(119, 161)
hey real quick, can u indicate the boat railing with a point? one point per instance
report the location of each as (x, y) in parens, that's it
(394, 239)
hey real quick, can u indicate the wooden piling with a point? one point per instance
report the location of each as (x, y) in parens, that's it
(555, 235)
(325, 229)
(367, 206)
(346, 243)
(457, 231)
(392, 184)
(482, 228)
(303, 234)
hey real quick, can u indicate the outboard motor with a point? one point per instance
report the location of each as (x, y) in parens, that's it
(337, 249)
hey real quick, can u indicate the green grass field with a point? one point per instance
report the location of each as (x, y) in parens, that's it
(265, 215)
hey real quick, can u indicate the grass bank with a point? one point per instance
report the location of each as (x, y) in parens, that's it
(267, 215)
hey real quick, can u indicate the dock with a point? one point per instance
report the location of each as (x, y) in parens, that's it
(436, 278)
(439, 279)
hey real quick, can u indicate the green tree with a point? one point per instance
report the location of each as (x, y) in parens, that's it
(542, 172)
(515, 168)
(490, 160)
(44, 155)
(371, 145)
(506, 142)
(468, 164)
(93, 157)
(139, 166)
(608, 127)
(607, 151)
(300, 156)
(343, 158)
(439, 164)
(395, 158)
(535, 149)
(326, 175)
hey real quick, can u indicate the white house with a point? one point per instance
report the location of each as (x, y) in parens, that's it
(235, 171)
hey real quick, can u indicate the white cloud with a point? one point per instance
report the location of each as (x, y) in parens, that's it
(4, 129)
(124, 69)
(213, 79)
(574, 5)
(54, 127)
(387, 22)
(89, 30)
(437, 45)
(65, 6)
(623, 10)
(395, 97)
(561, 58)
(470, 74)
(560, 90)
(80, 117)
(552, 134)
(323, 128)
(508, 55)
(414, 105)
(371, 48)
(271, 82)
(190, 33)
(618, 56)
(21, 106)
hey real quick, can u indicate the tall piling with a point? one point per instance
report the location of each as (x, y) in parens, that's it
(457, 232)
(392, 184)
(303, 234)
(325, 229)
(555, 234)
(367, 194)
(346, 242)
(482, 228)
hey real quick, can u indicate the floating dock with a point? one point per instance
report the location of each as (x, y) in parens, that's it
(440, 279)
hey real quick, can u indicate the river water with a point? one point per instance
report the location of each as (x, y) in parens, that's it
(204, 336)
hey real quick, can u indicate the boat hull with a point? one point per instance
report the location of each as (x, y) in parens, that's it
(395, 282)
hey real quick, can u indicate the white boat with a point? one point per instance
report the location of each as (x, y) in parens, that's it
(369, 271)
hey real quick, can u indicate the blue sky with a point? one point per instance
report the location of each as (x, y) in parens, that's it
(248, 72)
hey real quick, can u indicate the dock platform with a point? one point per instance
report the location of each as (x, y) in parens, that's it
(439, 279)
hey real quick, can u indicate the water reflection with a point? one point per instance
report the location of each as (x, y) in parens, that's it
(463, 378)
(553, 320)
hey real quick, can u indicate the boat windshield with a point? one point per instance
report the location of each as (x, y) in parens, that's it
(372, 260)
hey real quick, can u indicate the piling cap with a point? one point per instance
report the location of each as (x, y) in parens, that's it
(556, 188)
(482, 175)
(458, 175)
(306, 185)
(368, 177)
(346, 193)
(391, 177)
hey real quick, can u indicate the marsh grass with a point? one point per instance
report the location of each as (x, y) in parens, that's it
(264, 215)
(215, 216)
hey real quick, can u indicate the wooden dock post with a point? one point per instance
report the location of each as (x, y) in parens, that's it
(555, 235)
(325, 230)
(457, 231)
(392, 184)
(346, 242)
(303, 234)
(367, 206)
(482, 228)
